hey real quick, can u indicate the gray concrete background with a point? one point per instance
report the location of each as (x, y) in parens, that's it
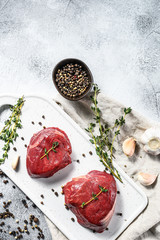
(119, 40)
(20, 212)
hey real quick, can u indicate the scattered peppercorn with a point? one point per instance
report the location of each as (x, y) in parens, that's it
(83, 155)
(73, 220)
(15, 149)
(6, 214)
(119, 214)
(43, 117)
(58, 103)
(32, 122)
(1, 194)
(22, 138)
(34, 206)
(36, 220)
(5, 205)
(90, 152)
(25, 221)
(5, 181)
(56, 193)
(24, 203)
(42, 196)
(2, 224)
(1, 173)
(40, 123)
(67, 208)
(25, 145)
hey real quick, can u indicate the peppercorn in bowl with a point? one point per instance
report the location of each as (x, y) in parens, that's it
(72, 78)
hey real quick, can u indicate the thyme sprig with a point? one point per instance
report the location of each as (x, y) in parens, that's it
(54, 145)
(9, 132)
(106, 136)
(94, 196)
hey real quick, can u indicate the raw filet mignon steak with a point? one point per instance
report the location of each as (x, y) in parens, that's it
(92, 199)
(48, 151)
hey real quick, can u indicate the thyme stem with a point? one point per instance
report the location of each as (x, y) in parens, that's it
(8, 134)
(103, 140)
(111, 150)
(103, 160)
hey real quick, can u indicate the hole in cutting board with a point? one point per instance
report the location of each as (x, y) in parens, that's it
(5, 112)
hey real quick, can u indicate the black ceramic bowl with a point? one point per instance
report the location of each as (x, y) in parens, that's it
(63, 63)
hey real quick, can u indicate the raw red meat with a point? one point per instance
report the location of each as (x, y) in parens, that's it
(97, 214)
(57, 160)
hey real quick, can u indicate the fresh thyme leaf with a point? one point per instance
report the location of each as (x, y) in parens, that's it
(91, 140)
(107, 135)
(117, 132)
(86, 129)
(9, 132)
(103, 189)
(54, 145)
(94, 196)
(127, 110)
(83, 204)
(54, 150)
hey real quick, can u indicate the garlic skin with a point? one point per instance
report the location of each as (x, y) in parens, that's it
(15, 162)
(146, 179)
(151, 140)
(129, 146)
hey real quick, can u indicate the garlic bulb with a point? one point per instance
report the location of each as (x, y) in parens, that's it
(151, 140)
(146, 179)
(129, 146)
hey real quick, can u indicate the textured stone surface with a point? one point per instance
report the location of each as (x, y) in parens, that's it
(21, 213)
(119, 40)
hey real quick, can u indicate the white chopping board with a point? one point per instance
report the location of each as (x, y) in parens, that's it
(130, 202)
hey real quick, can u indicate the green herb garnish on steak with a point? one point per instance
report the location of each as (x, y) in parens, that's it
(54, 145)
(94, 196)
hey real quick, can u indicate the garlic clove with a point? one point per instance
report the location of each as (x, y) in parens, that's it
(146, 179)
(129, 146)
(15, 162)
